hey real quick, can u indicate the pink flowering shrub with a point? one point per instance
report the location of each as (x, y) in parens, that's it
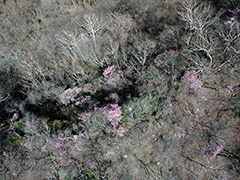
(120, 131)
(114, 97)
(14, 117)
(234, 11)
(9, 129)
(100, 118)
(87, 87)
(220, 12)
(192, 80)
(73, 96)
(108, 72)
(11, 126)
(89, 163)
(85, 117)
(212, 151)
(13, 160)
(230, 90)
(60, 148)
(170, 107)
(69, 95)
(82, 100)
(111, 74)
(180, 133)
(138, 80)
(114, 114)
(57, 146)
(77, 140)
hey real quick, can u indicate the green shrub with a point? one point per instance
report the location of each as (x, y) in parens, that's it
(12, 132)
(2, 127)
(87, 172)
(13, 139)
(57, 125)
(138, 109)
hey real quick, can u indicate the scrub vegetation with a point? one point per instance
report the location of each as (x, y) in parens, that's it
(119, 89)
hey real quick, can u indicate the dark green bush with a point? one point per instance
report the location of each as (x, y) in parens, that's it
(57, 125)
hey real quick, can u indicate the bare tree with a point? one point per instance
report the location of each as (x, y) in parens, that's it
(229, 32)
(92, 24)
(79, 48)
(199, 17)
(70, 41)
(197, 14)
(204, 42)
(33, 71)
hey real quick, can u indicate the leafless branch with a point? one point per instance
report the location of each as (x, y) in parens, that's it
(92, 24)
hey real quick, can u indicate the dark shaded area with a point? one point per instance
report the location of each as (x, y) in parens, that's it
(227, 4)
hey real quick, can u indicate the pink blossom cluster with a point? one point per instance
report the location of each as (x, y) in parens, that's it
(110, 74)
(121, 131)
(192, 79)
(114, 96)
(229, 52)
(114, 115)
(170, 107)
(220, 12)
(230, 90)
(85, 116)
(232, 23)
(57, 146)
(83, 100)
(48, 146)
(91, 164)
(166, 58)
(72, 96)
(138, 80)
(87, 86)
(234, 11)
(11, 126)
(69, 95)
(93, 104)
(212, 151)
(8, 129)
(14, 158)
(180, 133)
(77, 140)
(14, 117)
